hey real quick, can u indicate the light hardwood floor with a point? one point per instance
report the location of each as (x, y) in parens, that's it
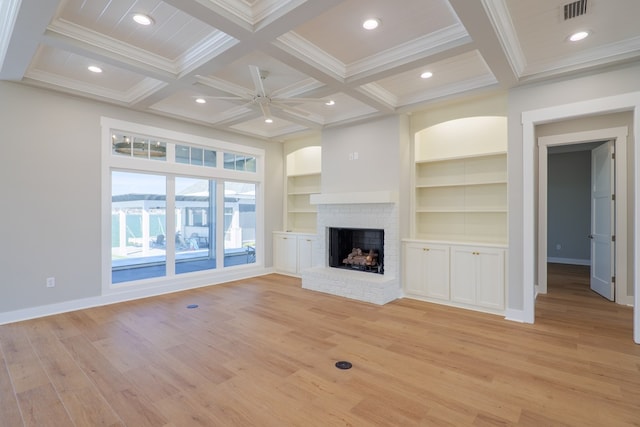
(261, 352)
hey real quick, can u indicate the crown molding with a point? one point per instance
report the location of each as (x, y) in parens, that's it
(422, 47)
(306, 51)
(450, 90)
(498, 14)
(620, 51)
(135, 93)
(203, 52)
(111, 45)
(376, 91)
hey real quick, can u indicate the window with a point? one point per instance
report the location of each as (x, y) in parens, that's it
(195, 225)
(189, 212)
(240, 223)
(239, 162)
(138, 226)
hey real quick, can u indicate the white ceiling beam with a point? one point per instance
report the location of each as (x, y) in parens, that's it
(476, 20)
(22, 23)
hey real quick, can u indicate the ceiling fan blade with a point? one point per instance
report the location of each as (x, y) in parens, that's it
(256, 75)
(224, 98)
(300, 100)
(265, 111)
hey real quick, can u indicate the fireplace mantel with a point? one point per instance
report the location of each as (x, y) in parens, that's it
(360, 197)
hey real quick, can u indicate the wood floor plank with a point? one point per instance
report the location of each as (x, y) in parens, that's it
(262, 351)
(8, 402)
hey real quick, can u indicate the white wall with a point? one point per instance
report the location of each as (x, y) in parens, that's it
(50, 186)
(377, 167)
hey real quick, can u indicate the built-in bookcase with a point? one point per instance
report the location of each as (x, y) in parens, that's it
(303, 180)
(461, 183)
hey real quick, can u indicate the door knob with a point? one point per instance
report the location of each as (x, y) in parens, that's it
(591, 236)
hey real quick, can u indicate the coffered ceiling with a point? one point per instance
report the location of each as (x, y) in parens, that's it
(286, 60)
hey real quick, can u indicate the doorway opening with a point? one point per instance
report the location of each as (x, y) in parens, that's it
(580, 207)
(607, 219)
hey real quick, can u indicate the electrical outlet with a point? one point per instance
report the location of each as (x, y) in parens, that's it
(51, 282)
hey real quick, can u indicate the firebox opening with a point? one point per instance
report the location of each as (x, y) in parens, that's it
(359, 249)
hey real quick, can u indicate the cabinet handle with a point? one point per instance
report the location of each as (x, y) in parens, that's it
(426, 249)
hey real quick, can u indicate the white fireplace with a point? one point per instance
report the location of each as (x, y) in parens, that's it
(374, 210)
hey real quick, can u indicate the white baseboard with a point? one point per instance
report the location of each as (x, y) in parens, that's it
(515, 315)
(127, 295)
(571, 261)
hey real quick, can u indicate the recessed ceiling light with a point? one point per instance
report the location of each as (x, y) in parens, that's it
(371, 24)
(94, 69)
(142, 19)
(268, 121)
(580, 35)
(426, 75)
(330, 102)
(201, 100)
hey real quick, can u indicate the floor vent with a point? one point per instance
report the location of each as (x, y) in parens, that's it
(577, 8)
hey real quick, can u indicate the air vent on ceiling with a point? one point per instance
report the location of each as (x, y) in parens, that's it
(577, 8)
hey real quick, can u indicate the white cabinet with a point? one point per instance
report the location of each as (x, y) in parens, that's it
(426, 271)
(292, 252)
(460, 275)
(477, 276)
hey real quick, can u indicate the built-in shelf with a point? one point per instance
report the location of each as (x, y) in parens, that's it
(302, 182)
(461, 198)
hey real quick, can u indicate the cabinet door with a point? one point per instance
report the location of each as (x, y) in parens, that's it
(415, 269)
(463, 274)
(427, 270)
(284, 253)
(490, 278)
(437, 271)
(305, 250)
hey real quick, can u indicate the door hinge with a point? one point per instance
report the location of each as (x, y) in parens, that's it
(613, 238)
(613, 197)
(613, 279)
(613, 156)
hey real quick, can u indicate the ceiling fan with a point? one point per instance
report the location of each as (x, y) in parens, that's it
(262, 99)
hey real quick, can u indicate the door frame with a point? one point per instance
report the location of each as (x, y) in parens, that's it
(529, 119)
(619, 137)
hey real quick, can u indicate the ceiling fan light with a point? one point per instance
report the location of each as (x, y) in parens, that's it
(142, 19)
(268, 120)
(580, 35)
(201, 100)
(330, 102)
(94, 69)
(371, 24)
(426, 75)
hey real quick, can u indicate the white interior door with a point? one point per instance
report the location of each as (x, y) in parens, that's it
(602, 220)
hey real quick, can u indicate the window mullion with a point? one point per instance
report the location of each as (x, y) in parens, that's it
(171, 225)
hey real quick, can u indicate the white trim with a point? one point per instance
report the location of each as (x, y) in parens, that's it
(515, 315)
(619, 135)
(129, 295)
(616, 103)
